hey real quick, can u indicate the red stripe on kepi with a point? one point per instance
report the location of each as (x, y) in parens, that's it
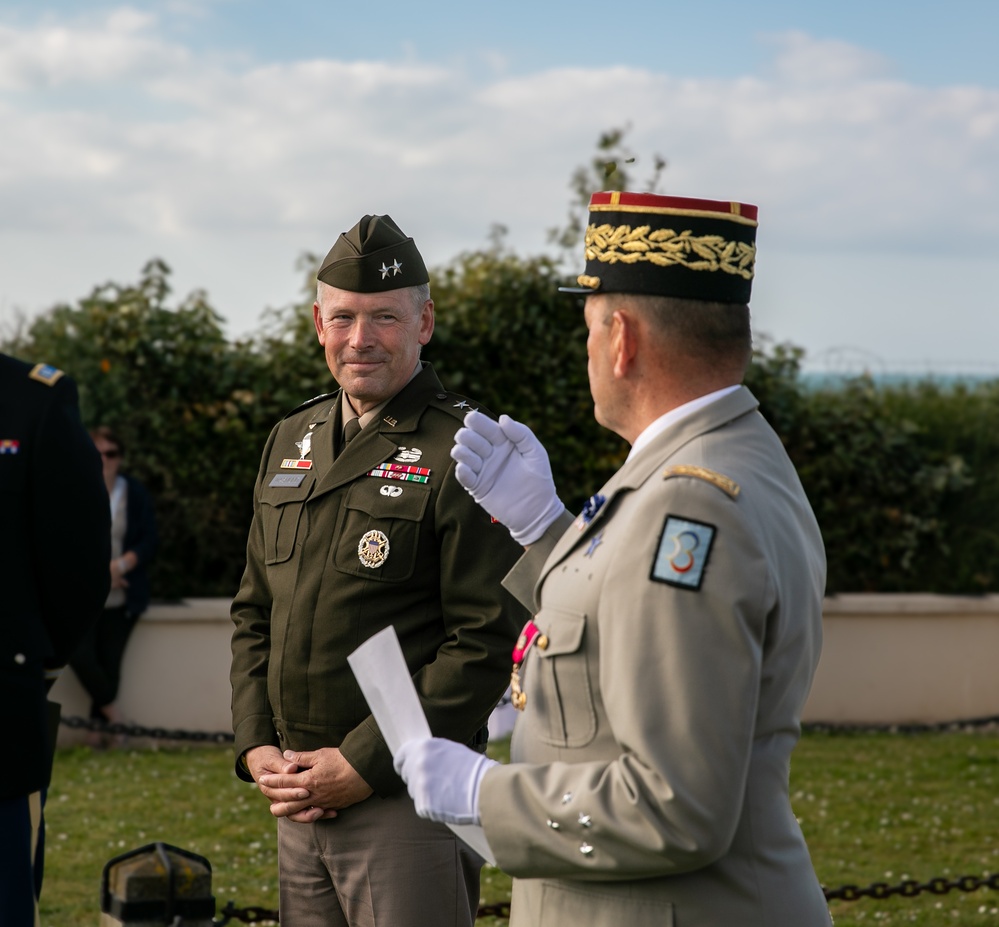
(667, 204)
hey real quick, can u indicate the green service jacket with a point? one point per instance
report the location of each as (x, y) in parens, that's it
(683, 623)
(336, 554)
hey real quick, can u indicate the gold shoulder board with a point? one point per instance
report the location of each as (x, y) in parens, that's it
(45, 373)
(727, 486)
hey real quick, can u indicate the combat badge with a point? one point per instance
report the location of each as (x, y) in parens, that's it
(373, 549)
(682, 556)
(408, 455)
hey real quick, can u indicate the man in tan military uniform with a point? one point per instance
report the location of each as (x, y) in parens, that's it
(347, 539)
(678, 618)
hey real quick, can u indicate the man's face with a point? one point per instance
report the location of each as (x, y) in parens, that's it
(372, 341)
(599, 360)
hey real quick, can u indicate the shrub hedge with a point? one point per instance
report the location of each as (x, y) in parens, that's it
(903, 478)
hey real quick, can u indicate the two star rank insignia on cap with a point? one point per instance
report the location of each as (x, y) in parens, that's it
(395, 268)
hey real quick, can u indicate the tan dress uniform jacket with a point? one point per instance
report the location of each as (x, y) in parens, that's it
(431, 566)
(652, 759)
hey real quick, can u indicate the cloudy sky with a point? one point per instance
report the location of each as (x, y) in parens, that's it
(230, 136)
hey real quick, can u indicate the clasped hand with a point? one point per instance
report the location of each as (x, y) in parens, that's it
(306, 786)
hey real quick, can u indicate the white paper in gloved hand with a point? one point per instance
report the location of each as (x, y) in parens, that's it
(382, 674)
(506, 470)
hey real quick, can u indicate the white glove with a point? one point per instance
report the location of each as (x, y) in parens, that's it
(506, 470)
(443, 778)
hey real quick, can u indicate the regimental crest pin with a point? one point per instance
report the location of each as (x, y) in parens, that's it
(373, 549)
(682, 556)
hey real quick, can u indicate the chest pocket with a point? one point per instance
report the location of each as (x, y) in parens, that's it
(562, 690)
(281, 510)
(379, 533)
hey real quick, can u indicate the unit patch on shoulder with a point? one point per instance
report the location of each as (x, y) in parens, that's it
(683, 551)
(727, 486)
(46, 373)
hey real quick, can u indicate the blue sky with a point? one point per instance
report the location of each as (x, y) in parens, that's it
(230, 136)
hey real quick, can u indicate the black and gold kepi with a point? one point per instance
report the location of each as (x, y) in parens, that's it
(374, 256)
(669, 246)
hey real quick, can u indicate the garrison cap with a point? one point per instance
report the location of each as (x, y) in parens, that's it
(374, 256)
(669, 246)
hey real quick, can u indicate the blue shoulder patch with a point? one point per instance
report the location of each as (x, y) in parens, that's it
(682, 556)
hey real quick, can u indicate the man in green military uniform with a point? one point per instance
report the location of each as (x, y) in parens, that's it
(359, 523)
(54, 552)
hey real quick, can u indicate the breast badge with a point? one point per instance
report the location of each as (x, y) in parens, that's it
(408, 455)
(373, 550)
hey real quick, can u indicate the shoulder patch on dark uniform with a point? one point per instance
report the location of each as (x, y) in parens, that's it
(727, 486)
(46, 373)
(310, 402)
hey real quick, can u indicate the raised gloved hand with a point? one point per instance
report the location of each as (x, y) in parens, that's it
(506, 470)
(443, 778)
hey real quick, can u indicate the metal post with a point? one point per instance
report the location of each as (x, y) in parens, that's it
(157, 885)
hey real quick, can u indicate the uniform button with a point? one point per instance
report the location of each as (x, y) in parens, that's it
(20, 659)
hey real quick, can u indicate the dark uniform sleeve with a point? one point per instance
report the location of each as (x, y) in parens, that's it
(70, 524)
(252, 717)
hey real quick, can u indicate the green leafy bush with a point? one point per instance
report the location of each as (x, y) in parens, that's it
(902, 478)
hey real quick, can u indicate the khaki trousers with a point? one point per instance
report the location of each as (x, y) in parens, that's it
(376, 864)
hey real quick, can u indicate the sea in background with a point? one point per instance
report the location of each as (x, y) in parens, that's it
(818, 379)
(833, 368)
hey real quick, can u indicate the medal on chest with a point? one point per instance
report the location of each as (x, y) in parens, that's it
(529, 636)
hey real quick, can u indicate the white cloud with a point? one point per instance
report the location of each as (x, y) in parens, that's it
(55, 54)
(111, 130)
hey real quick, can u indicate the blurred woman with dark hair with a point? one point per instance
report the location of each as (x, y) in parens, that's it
(97, 662)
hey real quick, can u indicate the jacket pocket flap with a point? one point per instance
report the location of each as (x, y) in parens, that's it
(564, 631)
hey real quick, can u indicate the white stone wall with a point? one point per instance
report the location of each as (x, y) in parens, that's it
(886, 659)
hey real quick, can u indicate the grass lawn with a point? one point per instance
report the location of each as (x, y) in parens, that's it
(873, 807)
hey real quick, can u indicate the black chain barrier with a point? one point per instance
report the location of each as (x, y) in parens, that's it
(221, 737)
(963, 724)
(908, 888)
(255, 915)
(137, 730)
